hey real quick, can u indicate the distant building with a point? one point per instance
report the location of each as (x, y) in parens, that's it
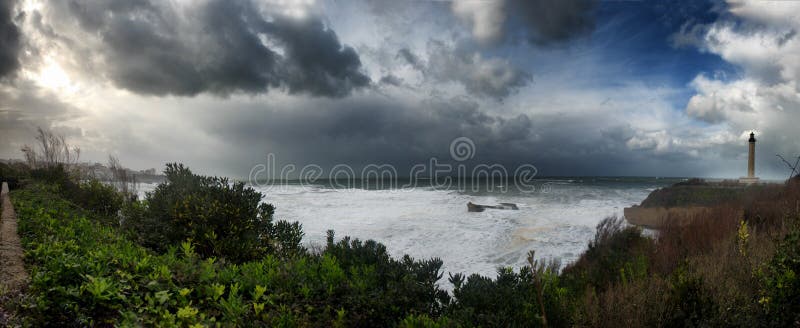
(150, 171)
(751, 162)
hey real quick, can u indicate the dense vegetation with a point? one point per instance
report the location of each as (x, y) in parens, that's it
(85, 271)
(203, 251)
(698, 192)
(11, 173)
(223, 218)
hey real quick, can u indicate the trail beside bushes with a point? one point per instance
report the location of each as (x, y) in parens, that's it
(12, 269)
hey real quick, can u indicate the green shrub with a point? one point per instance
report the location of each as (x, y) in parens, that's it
(780, 292)
(98, 197)
(617, 254)
(512, 299)
(14, 174)
(55, 175)
(223, 218)
(86, 274)
(91, 195)
(424, 321)
(688, 303)
(387, 289)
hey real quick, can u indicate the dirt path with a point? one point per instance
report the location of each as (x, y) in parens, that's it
(12, 270)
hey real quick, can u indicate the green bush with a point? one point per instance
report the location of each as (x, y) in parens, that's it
(55, 175)
(688, 303)
(14, 174)
(84, 273)
(91, 195)
(424, 321)
(395, 287)
(617, 254)
(780, 292)
(98, 197)
(512, 299)
(222, 218)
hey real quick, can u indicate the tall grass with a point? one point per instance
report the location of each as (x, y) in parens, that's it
(734, 264)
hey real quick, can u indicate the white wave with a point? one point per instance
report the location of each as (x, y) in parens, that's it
(427, 223)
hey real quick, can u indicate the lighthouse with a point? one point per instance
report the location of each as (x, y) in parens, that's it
(751, 161)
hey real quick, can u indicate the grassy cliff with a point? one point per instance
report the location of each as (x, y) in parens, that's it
(697, 192)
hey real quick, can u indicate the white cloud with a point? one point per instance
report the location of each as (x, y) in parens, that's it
(761, 39)
(771, 55)
(777, 13)
(486, 18)
(717, 101)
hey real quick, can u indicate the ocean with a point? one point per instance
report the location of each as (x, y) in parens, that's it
(557, 219)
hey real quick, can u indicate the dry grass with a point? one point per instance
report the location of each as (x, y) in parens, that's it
(636, 304)
(676, 242)
(705, 272)
(53, 149)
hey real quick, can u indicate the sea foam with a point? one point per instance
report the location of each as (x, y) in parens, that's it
(426, 223)
(557, 221)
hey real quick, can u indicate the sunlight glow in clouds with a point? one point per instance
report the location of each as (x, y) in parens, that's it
(298, 9)
(53, 77)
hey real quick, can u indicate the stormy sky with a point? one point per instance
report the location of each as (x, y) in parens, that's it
(573, 87)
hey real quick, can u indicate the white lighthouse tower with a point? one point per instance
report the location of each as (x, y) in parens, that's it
(751, 162)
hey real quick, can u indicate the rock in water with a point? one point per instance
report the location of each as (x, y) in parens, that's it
(480, 208)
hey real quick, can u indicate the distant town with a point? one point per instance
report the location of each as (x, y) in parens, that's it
(102, 172)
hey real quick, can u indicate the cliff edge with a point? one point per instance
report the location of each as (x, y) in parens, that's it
(682, 202)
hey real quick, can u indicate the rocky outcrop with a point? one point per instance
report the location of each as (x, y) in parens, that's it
(480, 208)
(657, 217)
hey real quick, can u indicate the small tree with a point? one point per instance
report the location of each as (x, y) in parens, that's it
(122, 179)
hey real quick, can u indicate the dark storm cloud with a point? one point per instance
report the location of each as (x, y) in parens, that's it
(23, 108)
(392, 80)
(317, 62)
(787, 37)
(480, 76)
(9, 39)
(361, 131)
(410, 57)
(547, 21)
(535, 21)
(217, 46)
